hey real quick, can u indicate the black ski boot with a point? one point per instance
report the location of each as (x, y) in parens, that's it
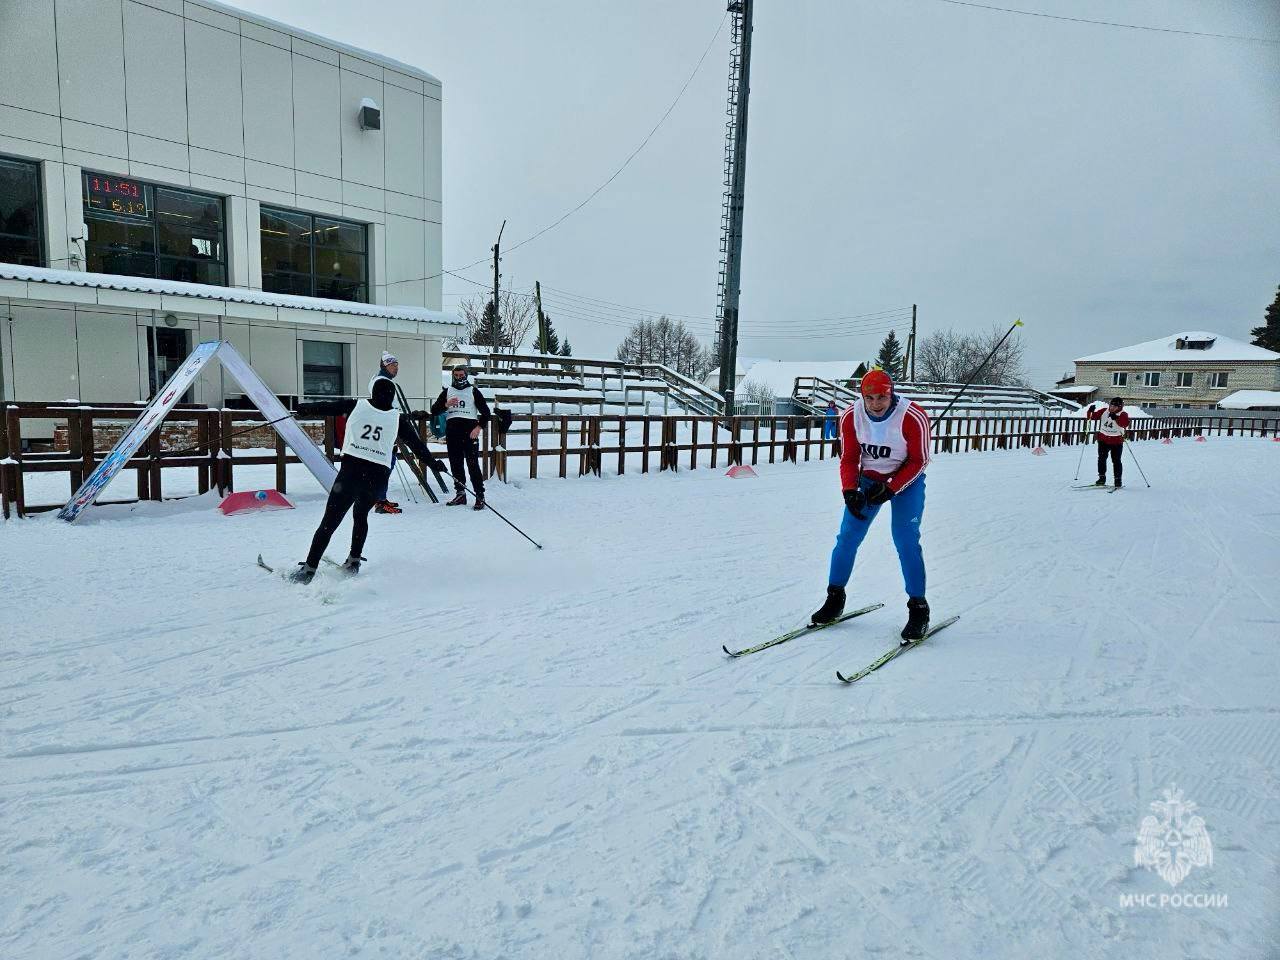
(833, 607)
(1118, 483)
(479, 504)
(303, 574)
(917, 620)
(459, 500)
(1101, 481)
(351, 566)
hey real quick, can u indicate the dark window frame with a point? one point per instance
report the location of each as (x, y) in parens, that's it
(312, 281)
(42, 254)
(157, 256)
(342, 368)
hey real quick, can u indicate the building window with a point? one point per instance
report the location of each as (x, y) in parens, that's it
(324, 368)
(21, 236)
(1119, 379)
(142, 230)
(1218, 380)
(1184, 378)
(1151, 378)
(313, 256)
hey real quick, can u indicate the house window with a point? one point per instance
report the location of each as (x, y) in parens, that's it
(312, 256)
(324, 368)
(1184, 378)
(1218, 380)
(140, 229)
(21, 236)
(1119, 379)
(1151, 378)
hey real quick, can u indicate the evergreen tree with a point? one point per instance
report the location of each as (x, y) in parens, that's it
(568, 350)
(890, 358)
(553, 339)
(1268, 335)
(488, 331)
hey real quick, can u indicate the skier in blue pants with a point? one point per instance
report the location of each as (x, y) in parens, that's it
(884, 448)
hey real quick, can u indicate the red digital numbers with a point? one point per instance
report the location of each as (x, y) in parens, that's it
(110, 195)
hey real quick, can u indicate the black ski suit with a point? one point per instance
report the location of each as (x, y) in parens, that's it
(457, 438)
(360, 484)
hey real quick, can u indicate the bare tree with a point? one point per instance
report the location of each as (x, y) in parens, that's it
(755, 392)
(946, 356)
(516, 317)
(668, 342)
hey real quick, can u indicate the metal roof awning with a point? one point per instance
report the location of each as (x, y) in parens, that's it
(73, 286)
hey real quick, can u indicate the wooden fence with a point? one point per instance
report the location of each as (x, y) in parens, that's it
(547, 445)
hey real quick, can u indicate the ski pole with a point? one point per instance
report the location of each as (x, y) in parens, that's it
(974, 376)
(489, 506)
(1134, 458)
(1080, 463)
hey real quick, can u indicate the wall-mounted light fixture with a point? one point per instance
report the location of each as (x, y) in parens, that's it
(370, 115)
(170, 320)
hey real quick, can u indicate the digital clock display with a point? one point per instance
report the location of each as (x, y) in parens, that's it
(124, 198)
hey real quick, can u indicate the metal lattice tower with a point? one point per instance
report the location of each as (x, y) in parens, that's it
(735, 163)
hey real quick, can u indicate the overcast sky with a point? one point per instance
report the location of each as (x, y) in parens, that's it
(1106, 185)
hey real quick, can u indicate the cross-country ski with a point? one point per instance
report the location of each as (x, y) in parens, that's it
(801, 631)
(893, 652)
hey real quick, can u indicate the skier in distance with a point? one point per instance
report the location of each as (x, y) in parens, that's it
(373, 427)
(466, 414)
(1113, 423)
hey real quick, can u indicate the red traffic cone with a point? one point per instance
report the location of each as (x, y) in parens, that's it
(1167, 440)
(1040, 451)
(1201, 440)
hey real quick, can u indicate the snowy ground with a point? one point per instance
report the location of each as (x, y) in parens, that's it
(481, 750)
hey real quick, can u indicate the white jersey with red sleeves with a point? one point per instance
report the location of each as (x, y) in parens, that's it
(894, 449)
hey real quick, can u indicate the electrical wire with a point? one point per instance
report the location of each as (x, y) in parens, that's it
(1109, 23)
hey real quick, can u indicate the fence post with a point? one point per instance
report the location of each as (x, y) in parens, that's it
(564, 447)
(533, 448)
(280, 471)
(622, 445)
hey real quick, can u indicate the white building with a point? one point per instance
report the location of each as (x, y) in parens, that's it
(262, 183)
(1192, 369)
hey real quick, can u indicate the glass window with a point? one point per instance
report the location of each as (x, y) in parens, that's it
(1185, 378)
(324, 368)
(313, 256)
(143, 230)
(1119, 379)
(21, 236)
(1151, 378)
(1218, 380)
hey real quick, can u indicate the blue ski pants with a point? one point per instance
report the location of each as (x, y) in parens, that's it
(907, 509)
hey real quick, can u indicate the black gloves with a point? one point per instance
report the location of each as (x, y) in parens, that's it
(855, 500)
(879, 493)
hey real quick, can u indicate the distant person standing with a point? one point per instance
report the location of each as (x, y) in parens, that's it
(829, 425)
(387, 370)
(466, 413)
(1113, 423)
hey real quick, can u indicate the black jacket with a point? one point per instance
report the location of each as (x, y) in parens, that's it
(482, 406)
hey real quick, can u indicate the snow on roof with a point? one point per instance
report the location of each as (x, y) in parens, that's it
(780, 375)
(1165, 350)
(1247, 399)
(202, 291)
(742, 366)
(1081, 388)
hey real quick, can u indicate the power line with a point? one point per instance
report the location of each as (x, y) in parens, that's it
(1108, 23)
(591, 196)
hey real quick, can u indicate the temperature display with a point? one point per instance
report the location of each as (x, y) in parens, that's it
(125, 198)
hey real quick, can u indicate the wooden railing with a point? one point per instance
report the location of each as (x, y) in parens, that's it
(547, 445)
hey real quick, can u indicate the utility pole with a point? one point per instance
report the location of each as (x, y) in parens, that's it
(735, 174)
(912, 349)
(542, 320)
(497, 318)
